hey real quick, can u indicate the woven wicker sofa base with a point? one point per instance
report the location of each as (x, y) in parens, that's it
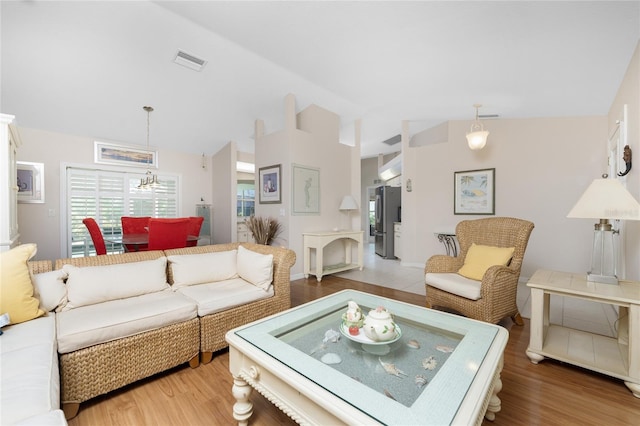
(99, 369)
(477, 309)
(214, 327)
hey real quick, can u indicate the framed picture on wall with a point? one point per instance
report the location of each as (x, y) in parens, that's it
(122, 155)
(270, 182)
(30, 180)
(305, 193)
(474, 192)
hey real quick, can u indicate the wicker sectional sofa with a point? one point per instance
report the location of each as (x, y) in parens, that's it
(29, 379)
(113, 331)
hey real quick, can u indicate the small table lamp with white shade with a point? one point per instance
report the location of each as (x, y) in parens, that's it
(605, 199)
(348, 204)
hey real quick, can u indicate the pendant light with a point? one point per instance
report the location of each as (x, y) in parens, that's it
(477, 136)
(150, 180)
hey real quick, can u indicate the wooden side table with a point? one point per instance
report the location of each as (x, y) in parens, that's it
(614, 356)
(319, 240)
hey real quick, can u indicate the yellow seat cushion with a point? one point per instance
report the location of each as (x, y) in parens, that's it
(480, 258)
(16, 288)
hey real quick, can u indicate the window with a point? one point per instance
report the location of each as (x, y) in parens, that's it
(246, 198)
(108, 195)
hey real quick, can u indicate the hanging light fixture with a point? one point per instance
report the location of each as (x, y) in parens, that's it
(150, 180)
(477, 136)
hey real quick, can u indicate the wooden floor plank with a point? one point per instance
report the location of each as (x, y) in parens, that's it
(550, 393)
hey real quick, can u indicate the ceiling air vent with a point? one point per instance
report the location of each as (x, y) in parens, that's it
(189, 61)
(392, 141)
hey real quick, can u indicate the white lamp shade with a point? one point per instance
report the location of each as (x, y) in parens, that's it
(348, 203)
(477, 140)
(606, 199)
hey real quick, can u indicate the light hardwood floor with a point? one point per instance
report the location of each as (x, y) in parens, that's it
(550, 393)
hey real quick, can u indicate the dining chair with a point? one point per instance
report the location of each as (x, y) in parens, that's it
(135, 225)
(168, 233)
(195, 223)
(96, 235)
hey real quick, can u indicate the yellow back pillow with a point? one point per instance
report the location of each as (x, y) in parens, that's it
(480, 258)
(16, 289)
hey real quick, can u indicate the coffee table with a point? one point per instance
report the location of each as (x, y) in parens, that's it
(444, 369)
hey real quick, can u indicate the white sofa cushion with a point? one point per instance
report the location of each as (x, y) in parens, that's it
(257, 268)
(29, 365)
(52, 418)
(454, 283)
(103, 322)
(189, 269)
(223, 295)
(49, 288)
(28, 333)
(96, 284)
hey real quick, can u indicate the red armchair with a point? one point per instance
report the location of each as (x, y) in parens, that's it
(168, 233)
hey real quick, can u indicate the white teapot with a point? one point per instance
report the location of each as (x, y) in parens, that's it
(379, 326)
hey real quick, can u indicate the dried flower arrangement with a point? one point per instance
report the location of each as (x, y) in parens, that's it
(264, 229)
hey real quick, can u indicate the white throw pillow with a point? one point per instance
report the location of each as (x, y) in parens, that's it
(96, 284)
(190, 269)
(255, 267)
(49, 288)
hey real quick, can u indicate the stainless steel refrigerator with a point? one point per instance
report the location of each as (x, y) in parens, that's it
(387, 212)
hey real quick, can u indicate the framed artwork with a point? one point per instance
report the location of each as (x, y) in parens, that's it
(474, 192)
(30, 180)
(305, 199)
(270, 181)
(122, 155)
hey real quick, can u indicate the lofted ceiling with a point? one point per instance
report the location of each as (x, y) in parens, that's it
(87, 68)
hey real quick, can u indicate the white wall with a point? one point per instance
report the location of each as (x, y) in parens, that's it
(223, 205)
(310, 138)
(36, 223)
(542, 167)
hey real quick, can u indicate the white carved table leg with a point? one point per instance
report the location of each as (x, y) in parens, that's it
(539, 323)
(495, 405)
(307, 260)
(319, 262)
(243, 408)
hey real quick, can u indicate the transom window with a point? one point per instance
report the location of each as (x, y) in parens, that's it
(106, 196)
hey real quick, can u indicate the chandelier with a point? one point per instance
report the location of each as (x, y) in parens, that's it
(150, 180)
(477, 136)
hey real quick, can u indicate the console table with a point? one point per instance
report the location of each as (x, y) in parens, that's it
(614, 356)
(319, 240)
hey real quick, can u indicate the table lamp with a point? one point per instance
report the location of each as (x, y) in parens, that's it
(348, 204)
(605, 199)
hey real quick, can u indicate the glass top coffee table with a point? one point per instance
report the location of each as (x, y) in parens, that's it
(441, 369)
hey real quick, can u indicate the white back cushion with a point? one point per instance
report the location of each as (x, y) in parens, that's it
(255, 267)
(96, 284)
(49, 288)
(190, 269)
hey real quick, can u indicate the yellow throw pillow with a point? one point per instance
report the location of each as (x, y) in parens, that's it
(16, 288)
(480, 258)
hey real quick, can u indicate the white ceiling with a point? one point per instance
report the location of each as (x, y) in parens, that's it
(87, 68)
